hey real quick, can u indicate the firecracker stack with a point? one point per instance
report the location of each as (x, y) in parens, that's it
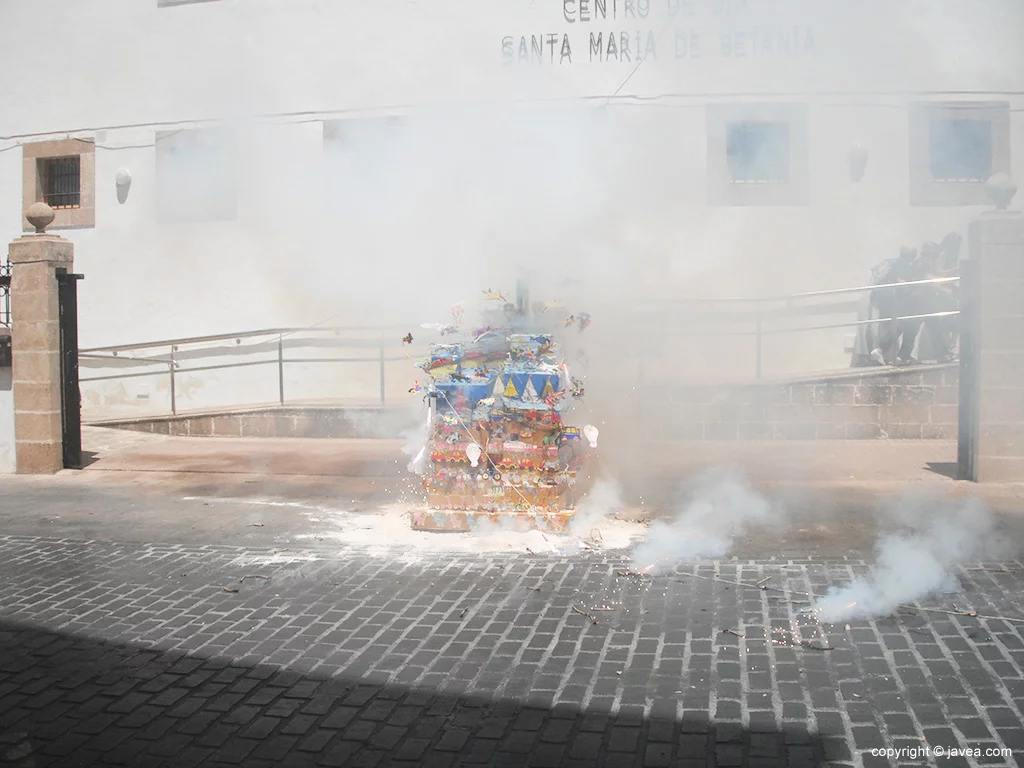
(498, 451)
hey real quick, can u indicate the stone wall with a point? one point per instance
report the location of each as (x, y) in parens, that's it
(997, 245)
(916, 403)
(296, 421)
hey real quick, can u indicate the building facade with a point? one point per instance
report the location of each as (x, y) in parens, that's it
(227, 165)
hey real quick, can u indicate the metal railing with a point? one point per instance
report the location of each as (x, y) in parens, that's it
(758, 311)
(275, 341)
(279, 348)
(5, 294)
(792, 298)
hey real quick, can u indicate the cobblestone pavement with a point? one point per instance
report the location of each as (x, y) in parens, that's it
(172, 655)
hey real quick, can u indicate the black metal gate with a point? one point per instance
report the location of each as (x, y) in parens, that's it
(71, 396)
(968, 413)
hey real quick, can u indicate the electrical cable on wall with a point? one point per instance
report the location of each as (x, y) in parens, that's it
(698, 100)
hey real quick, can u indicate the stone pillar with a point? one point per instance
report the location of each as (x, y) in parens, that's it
(997, 246)
(35, 318)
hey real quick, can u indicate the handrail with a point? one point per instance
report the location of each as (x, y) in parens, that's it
(393, 328)
(808, 295)
(862, 288)
(165, 361)
(851, 324)
(386, 338)
(242, 335)
(390, 329)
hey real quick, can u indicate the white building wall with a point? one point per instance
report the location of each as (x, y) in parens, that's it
(626, 204)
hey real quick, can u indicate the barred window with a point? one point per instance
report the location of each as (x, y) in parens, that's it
(961, 150)
(62, 174)
(61, 181)
(955, 147)
(757, 153)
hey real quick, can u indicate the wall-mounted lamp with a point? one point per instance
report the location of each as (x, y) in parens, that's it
(858, 160)
(123, 181)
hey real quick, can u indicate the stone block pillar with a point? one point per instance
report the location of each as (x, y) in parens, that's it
(35, 321)
(997, 247)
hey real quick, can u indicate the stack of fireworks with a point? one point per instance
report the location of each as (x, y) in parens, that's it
(497, 441)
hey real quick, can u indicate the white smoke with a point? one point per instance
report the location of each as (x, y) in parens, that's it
(721, 506)
(918, 560)
(414, 440)
(603, 501)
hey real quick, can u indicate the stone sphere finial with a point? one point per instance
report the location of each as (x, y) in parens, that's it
(40, 216)
(1000, 190)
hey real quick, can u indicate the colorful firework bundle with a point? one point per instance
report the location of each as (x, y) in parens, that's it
(497, 440)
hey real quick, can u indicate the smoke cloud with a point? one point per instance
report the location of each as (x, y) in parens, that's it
(919, 559)
(414, 440)
(344, 210)
(721, 506)
(602, 501)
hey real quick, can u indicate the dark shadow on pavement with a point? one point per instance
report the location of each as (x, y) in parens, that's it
(88, 458)
(948, 469)
(72, 701)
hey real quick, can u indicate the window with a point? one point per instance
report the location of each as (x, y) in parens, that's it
(960, 150)
(954, 149)
(197, 175)
(366, 165)
(757, 154)
(61, 179)
(367, 144)
(61, 174)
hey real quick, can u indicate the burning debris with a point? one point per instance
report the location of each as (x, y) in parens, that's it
(593, 621)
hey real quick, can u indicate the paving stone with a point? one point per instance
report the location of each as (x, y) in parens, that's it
(661, 730)
(586, 746)
(384, 631)
(557, 731)
(729, 755)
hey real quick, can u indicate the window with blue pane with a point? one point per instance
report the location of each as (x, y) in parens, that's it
(757, 152)
(960, 150)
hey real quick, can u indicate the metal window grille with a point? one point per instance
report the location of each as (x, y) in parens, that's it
(5, 295)
(61, 181)
(758, 153)
(960, 150)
